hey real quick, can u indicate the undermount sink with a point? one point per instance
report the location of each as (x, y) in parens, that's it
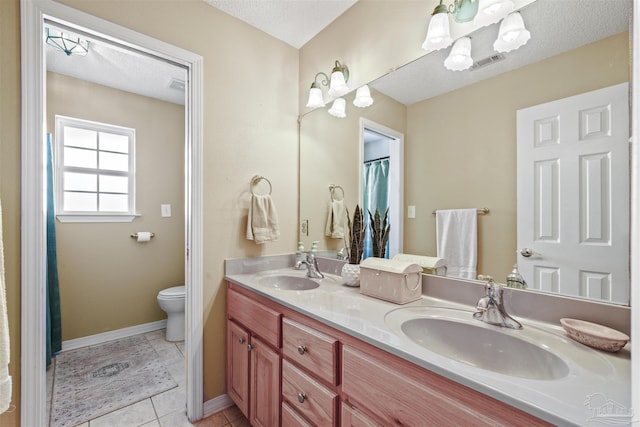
(288, 283)
(456, 335)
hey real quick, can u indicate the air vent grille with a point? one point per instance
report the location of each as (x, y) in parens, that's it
(485, 62)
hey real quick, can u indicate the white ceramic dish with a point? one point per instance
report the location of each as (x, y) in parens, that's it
(594, 335)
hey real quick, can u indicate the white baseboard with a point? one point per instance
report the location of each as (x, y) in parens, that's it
(113, 335)
(216, 405)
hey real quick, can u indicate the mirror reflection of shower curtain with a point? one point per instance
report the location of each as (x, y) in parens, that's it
(376, 195)
(54, 323)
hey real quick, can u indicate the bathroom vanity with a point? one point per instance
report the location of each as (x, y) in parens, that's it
(326, 355)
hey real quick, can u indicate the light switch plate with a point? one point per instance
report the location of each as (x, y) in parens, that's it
(165, 211)
(411, 211)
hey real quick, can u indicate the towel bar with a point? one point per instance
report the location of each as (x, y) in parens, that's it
(481, 211)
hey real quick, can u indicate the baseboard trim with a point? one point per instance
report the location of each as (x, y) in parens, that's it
(216, 405)
(112, 335)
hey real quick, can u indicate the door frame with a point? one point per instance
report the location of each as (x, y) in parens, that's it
(33, 237)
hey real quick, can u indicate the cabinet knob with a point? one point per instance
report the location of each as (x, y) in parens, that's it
(302, 349)
(302, 397)
(241, 340)
(249, 347)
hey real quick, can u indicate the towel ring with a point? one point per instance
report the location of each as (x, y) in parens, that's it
(333, 188)
(256, 180)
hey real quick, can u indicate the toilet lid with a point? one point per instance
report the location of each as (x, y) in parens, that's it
(175, 292)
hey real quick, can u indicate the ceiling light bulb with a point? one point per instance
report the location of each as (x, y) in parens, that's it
(438, 34)
(315, 97)
(363, 97)
(492, 11)
(338, 109)
(512, 34)
(459, 58)
(338, 85)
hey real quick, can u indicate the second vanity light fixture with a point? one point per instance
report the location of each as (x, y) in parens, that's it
(511, 36)
(337, 88)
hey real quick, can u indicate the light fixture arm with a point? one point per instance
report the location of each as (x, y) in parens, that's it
(324, 81)
(342, 68)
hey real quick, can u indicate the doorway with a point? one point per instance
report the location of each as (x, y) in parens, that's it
(34, 14)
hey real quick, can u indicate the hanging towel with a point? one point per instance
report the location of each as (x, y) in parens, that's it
(5, 379)
(457, 241)
(336, 217)
(262, 224)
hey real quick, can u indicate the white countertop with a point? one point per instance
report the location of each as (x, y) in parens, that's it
(594, 376)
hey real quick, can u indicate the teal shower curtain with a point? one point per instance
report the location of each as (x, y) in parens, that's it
(54, 326)
(376, 195)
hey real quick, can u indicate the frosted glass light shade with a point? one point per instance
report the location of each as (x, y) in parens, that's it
(459, 58)
(512, 34)
(363, 97)
(315, 98)
(338, 85)
(438, 34)
(338, 109)
(492, 11)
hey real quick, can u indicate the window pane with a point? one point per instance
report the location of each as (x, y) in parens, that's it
(114, 184)
(114, 203)
(80, 137)
(80, 158)
(113, 142)
(80, 202)
(114, 162)
(80, 181)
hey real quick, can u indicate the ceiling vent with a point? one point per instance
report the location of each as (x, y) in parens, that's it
(487, 61)
(177, 84)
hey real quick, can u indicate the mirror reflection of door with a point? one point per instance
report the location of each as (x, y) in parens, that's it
(573, 186)
(382, 185)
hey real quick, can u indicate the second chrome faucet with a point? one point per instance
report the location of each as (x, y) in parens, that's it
(491, 307)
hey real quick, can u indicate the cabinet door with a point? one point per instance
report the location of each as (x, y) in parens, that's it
(265, 385)
(351, 417)
(238, 366)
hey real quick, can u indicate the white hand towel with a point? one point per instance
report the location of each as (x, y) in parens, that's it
(262, 224)
(457, 241)
(5, 379)
(336, 217)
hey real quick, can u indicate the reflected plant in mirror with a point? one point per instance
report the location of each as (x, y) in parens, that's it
(462, 141)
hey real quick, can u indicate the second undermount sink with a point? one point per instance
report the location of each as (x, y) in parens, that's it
(456, 335)
(288, 283)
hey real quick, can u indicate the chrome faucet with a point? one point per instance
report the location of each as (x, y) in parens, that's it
(491, 307)
(312, 266)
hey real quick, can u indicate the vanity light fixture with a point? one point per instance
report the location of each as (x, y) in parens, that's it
(338, 109)
(492, 11)
(337, 85)
(438, 33)
(363, 97)
(512, 34)
(459, 58)
(68, 43)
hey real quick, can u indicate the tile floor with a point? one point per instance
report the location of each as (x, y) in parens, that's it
(165, 409)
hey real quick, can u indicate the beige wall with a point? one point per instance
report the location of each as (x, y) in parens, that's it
(329, 149)
(472, 132)
(10, 185)
(109, 281)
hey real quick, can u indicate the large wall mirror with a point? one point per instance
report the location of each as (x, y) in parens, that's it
(460, 132)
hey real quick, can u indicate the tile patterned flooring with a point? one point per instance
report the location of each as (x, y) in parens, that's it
(166, 409)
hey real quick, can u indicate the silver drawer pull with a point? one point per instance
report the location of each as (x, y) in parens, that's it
(302, 349)
(249, 347)
(302, 397)
(241, 340)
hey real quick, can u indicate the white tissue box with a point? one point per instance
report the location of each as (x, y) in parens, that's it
(429, 264)
(396, 281)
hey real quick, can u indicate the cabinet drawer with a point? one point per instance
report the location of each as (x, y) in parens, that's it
(307, 396)
(351, 417)
(290, 418)
(313, 350)
(262, 321)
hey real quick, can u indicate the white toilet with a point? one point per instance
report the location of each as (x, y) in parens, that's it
(171, 300)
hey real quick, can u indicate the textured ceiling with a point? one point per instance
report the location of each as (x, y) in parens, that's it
(295, 22)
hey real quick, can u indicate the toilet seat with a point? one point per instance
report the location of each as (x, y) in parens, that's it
(175, 292)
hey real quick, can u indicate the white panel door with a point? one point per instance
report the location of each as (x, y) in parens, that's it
(573, 195)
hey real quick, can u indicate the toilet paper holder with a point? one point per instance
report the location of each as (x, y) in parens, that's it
(135, 235)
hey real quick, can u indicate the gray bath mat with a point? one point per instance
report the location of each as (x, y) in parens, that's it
(93, 381)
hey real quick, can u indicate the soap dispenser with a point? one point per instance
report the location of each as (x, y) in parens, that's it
(515, 279)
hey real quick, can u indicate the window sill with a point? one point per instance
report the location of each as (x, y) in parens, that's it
(96, 217)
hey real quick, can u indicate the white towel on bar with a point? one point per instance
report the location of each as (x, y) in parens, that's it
(336, 219)
(5, 378)
(262, 224)
(457, 241)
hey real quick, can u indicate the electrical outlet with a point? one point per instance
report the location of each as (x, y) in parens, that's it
(304, 227)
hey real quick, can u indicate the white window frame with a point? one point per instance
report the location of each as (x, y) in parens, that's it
(75, 216)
